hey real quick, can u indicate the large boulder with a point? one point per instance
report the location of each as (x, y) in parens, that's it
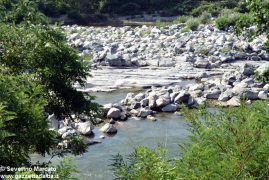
(139, 96)
(250, 94)
(144, 112)
(226, 95)
(213, 94)
(108, 128)
(129, 98)
(85, 128)
(234, 101)
(202, 63)
(114, 113)
(247, 70)
(263, 68)
(263, 95)
(170, 108)
(183, 96)
(160, 102)
(64, 130)
(113, 60)
(152, 100)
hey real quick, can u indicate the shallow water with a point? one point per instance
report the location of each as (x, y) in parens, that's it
(169, 131)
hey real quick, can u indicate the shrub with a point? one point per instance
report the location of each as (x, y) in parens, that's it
(227, 20)
(229, 144)
(193, 23)
(181, 19)
(205, 17)
(185, 30)
(210, 8)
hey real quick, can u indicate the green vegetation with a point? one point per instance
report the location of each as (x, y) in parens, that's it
(38, 70)
(230, 144)
(227, 20)
(193, 23)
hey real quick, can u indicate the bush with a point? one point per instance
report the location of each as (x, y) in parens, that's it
(193, 23)
(229, 144)
(205, 17)
(227, 20)
(181, 19)
(210, 8)
(43, 52)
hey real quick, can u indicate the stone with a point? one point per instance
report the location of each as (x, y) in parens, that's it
(202, 64)
(191, 102)
(160, 102)
(247, 70)
(64, 130)
(173, 96)
(135, 105)
(107, 107)
(139, 96)
(114, 113)
(54, 122)
(152, 100)
(263, 95)
(123, 116)
(129, 98)
(152, 118)
(113, 60)
(108, 128)
(144, 102)
(213, 94)
(234, 101)
(263, 68)
(250, 95)
(239, 88)
(183, 96)
(144, 112)
(266, 87)
(85, 128)
(226, 95)
(69, 133)
(167, 63)
(195, 87)
(170, 108)
(134, 112)
(200, 100)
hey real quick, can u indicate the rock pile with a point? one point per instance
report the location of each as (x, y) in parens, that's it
(207, 47)
(227, 90)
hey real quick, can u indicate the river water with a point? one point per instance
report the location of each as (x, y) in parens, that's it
(169, 131)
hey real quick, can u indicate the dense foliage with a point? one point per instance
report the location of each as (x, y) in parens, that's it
(23, 126)
(38, 72)
(43, 52)
(230, 144)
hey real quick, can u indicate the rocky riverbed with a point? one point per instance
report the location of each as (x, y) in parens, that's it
(157, 59)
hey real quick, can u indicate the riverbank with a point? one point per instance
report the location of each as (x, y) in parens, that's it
(221, 65)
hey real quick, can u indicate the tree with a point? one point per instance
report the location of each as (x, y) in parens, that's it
(23, 126)
(43, 52)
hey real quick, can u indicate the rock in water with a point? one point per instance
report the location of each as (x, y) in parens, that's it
(170, 108)
(108, 128)
(114, 113)
(144, 112)
(85, 128)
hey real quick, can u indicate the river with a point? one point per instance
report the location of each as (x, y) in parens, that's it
(169, 131)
